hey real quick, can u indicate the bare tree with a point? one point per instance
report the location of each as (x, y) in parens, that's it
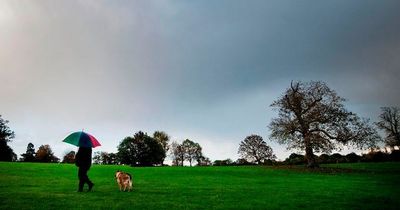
(390, 124)
(312, 117)
(254, 149)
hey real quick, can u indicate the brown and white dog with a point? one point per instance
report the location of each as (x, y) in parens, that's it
(124, 181)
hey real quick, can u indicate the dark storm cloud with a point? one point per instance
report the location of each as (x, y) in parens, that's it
(205, 70)
(224, 47)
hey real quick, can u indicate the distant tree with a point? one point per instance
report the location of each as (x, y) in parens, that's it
(112, 159)
(177, 153)
(324, 158)
(69, 157)
(295, 159)
(337, 158)
(254, 149)
(5, 133)
(141, 150)
(203, 161)
(105, 158)
(225, 162)
(312, 117)
(395, 155)
(97, 157)
(29, 156)
(242, 162)
(193, 151)
(198, 155)
(163, 139)
(6, 153)
(352, 158)
(390, 124)
(131, 148)
(45, 155)
(375, 156)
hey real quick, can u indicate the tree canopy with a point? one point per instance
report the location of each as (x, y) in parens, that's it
(193, 151)
(312, 117)
(29, 156)
(45, 154)
(177, 154)
(105, 158)
(141, 150)
(163, 139)
(69, 157)
(255, 150)
(6, 135)
(189, 151)
(390, 124)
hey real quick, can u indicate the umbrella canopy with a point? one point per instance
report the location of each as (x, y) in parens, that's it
(82, 139)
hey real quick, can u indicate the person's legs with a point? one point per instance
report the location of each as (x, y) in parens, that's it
(83, 178)
(90, 183)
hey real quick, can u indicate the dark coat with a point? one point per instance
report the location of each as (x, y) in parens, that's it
(83, 157)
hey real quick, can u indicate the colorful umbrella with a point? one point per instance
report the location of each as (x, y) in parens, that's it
(82, 139)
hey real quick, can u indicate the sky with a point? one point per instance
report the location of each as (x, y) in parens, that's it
(201, 70)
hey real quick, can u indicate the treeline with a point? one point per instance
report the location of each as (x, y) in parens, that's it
(140, 149)
(311, 118)
(372, 156)
(43, 154)
(144, 150)
(299, 159)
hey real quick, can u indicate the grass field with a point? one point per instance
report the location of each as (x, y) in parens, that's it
(53, 186)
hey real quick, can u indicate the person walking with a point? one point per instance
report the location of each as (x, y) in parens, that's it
(83, 160)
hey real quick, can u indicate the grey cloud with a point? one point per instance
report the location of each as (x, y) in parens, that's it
(208, 67)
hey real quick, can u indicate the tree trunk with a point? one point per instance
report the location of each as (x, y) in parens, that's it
(309, 154)
(311, 163)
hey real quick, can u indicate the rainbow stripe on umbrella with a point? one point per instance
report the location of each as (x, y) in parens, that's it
(82, 139)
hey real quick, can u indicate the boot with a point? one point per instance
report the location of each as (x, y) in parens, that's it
(90, 186)
(80, 188)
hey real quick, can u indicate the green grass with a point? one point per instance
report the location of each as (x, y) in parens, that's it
(53, 186)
